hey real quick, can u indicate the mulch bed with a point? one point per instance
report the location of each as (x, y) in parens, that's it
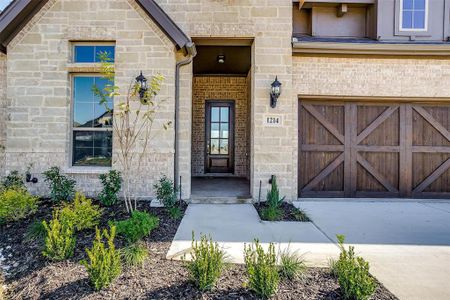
(33, 277)
(289, 213)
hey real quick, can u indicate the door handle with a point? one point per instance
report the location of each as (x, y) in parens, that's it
(208, 148)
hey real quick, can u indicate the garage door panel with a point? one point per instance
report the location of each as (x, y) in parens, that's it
(313, 164)
(374, 150)
(385, 169)
(320, 122)
(384, 119)
(427, 164)
(333, 182)
(366, 182)
(431, 125)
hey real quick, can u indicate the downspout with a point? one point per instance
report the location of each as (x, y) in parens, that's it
(191, 53)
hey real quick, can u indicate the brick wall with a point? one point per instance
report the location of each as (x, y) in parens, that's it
(39, 88)
(371, 76)
(220, 88)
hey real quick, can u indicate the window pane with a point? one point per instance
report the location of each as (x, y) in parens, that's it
(224, 114)
(92, 148)
(419, 4)
(419, 19)
(83, 139)
(223, 146)
(214, 146)
(83, 115)
(407, 19)
(103, 139)
(407, 4)
(215, 114)
(224, 128)
(110, 50)
(84, 54)
(83, 89)
(214, 130)
(103, 116)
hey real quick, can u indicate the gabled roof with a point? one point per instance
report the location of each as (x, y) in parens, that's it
(17, 14)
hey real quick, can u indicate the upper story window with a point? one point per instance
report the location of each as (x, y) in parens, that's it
(413, 15)
(90, 53)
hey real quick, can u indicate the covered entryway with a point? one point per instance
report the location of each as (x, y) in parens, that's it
(363, 149)
(221, 121)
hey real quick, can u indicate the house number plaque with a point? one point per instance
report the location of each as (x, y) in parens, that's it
(273, 120)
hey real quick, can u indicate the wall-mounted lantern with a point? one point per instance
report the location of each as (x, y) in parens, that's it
(142, 83)
(275, 92)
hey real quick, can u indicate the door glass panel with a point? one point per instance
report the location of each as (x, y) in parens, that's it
(215, 130)
(224, 113)
(224, 128)
(215, 112)
(223, 146)
(214, 146)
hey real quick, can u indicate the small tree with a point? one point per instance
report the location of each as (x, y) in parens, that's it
(134, 117)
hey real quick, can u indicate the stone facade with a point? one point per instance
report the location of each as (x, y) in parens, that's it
(273, 150)
(3, 115)
(220, 88)
(39, 85)
(35, 96)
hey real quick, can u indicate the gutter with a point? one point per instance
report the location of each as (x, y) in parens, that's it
(191, 53)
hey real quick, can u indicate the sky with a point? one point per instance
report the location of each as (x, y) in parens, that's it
(4, 3)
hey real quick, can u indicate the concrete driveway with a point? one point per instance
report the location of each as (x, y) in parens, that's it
(406, 243)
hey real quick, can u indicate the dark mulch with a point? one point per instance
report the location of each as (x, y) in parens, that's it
(289, 212)
(36, 278)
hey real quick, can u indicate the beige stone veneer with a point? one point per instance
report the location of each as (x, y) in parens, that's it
(39, 85)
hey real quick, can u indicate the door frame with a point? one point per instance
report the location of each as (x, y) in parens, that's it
(220, 102)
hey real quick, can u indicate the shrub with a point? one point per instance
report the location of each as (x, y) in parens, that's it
(62, 188)
(112, 183)
(272, 211)
(82, 213)
(59, 240)
(262, 271)
(16, 204)
(134, 255)
(165, 192)
(139, 225)
(206, 264)
(103, 264)
(353, 274)
(175, 212)
(292, 266)
(14, 180)
(36, 231)
(300, 215)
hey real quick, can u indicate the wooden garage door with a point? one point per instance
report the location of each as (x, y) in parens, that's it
(374, 150)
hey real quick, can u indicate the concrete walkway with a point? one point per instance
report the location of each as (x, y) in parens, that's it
(232, 225)
(406, 243)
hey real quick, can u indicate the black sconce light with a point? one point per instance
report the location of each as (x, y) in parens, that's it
(142, 84)
(275, 92)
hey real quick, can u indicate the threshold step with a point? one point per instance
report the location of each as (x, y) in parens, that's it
(220, 200)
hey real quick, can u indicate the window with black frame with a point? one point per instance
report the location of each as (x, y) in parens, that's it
(92, 120)
(92, 123)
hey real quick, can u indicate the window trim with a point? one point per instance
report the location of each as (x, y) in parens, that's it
(400, 18)
(99, 43)
(72, 128)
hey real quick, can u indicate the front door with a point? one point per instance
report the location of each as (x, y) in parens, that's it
(219, 137)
